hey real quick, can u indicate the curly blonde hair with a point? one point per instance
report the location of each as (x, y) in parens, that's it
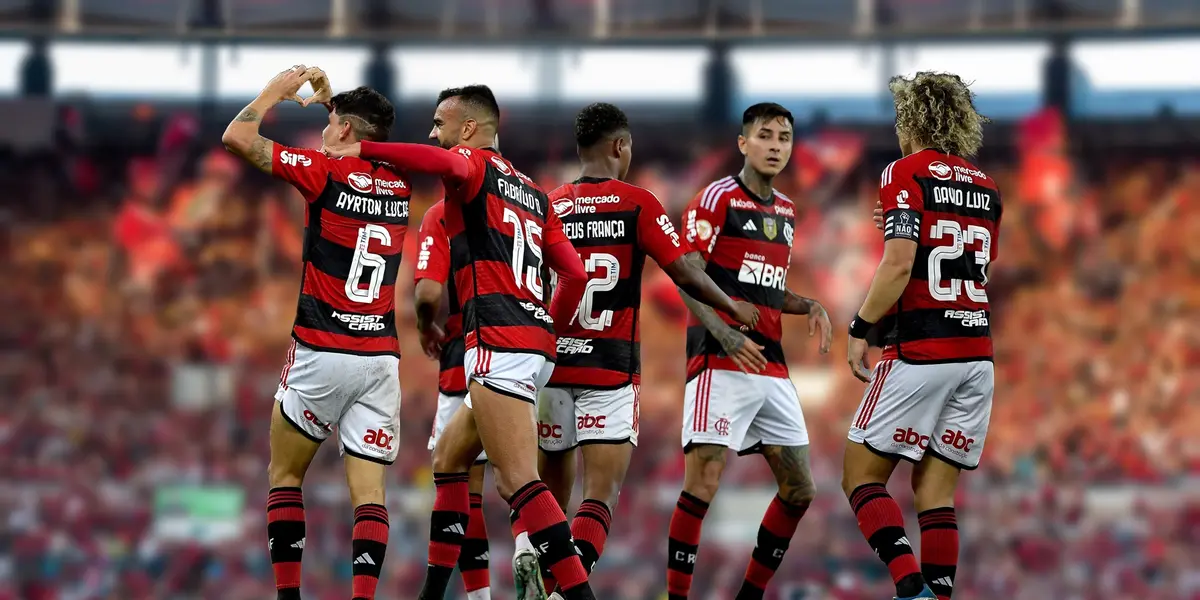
(937, 110)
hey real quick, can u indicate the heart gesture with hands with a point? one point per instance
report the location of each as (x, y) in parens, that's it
(286, 86)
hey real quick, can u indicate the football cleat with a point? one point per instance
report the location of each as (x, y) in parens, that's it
(926, 594)
(527, 575)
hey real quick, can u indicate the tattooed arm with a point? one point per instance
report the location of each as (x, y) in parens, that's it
(818, 319)
(745, 353)
(795, 304)
(241, 137)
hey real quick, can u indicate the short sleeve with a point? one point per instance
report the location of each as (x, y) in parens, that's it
(476, 170)
(903, 204)
(307, 170)
(701, 223)
(656, 233)
(433, 255)
(554, 233)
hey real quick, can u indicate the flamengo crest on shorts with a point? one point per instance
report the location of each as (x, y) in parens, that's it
(357, 216)
(952, 210)
(747, 243)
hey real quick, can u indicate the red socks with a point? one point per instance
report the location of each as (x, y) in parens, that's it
(939, 549)
(774, 536)
(683, 544)
(447, 528)
(549, 532)
(882, 523)
(590, 530)
(368, 548)
(473, 561)
(285, 538)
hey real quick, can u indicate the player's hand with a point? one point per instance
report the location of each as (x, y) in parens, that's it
(743, 352)
(432, 337)
(818, 320)
(877, 216)
(746, 314)
(856, 355)
(322, 90)
(351, 150)
(286, 85)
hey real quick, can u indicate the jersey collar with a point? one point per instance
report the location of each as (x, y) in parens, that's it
(591, 180)
(750, 193)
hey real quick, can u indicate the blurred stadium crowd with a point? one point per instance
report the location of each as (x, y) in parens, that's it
(149, 306)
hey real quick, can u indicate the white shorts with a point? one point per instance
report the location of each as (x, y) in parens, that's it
(569, 417)
(742, 411)
(515, 374)
(446, 407)
(940, 408)
(359, 394)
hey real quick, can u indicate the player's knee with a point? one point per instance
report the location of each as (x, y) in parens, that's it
(508, 485)
(931, 491)
(703, 485)
(284, 475)
(801, 494)
(605, 489)
(444, 461)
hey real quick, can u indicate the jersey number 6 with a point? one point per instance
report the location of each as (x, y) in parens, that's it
(365, 258)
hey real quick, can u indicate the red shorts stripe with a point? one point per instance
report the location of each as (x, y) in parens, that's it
(287, 365)
(637, 398)
(864, 419)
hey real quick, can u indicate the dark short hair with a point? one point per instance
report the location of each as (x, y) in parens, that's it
(373, 113)
(477, 97)
(598, 122)
(766, 111)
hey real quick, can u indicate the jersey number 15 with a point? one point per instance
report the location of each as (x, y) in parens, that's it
(528, 237)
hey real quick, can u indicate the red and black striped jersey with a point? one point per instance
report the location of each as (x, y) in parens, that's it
(356, 218)
(499, 221)
(433, 263)
(747, 243)
(951, 209)
(614, 226)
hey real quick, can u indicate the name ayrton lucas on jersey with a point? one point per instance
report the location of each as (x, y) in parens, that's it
(379, 208)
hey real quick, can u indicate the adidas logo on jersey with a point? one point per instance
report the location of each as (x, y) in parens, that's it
(364, 559)
(749, 226)
(456, 528)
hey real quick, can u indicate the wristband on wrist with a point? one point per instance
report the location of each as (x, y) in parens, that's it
(860, 327)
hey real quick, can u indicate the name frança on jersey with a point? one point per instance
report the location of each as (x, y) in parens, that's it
(584, 218)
